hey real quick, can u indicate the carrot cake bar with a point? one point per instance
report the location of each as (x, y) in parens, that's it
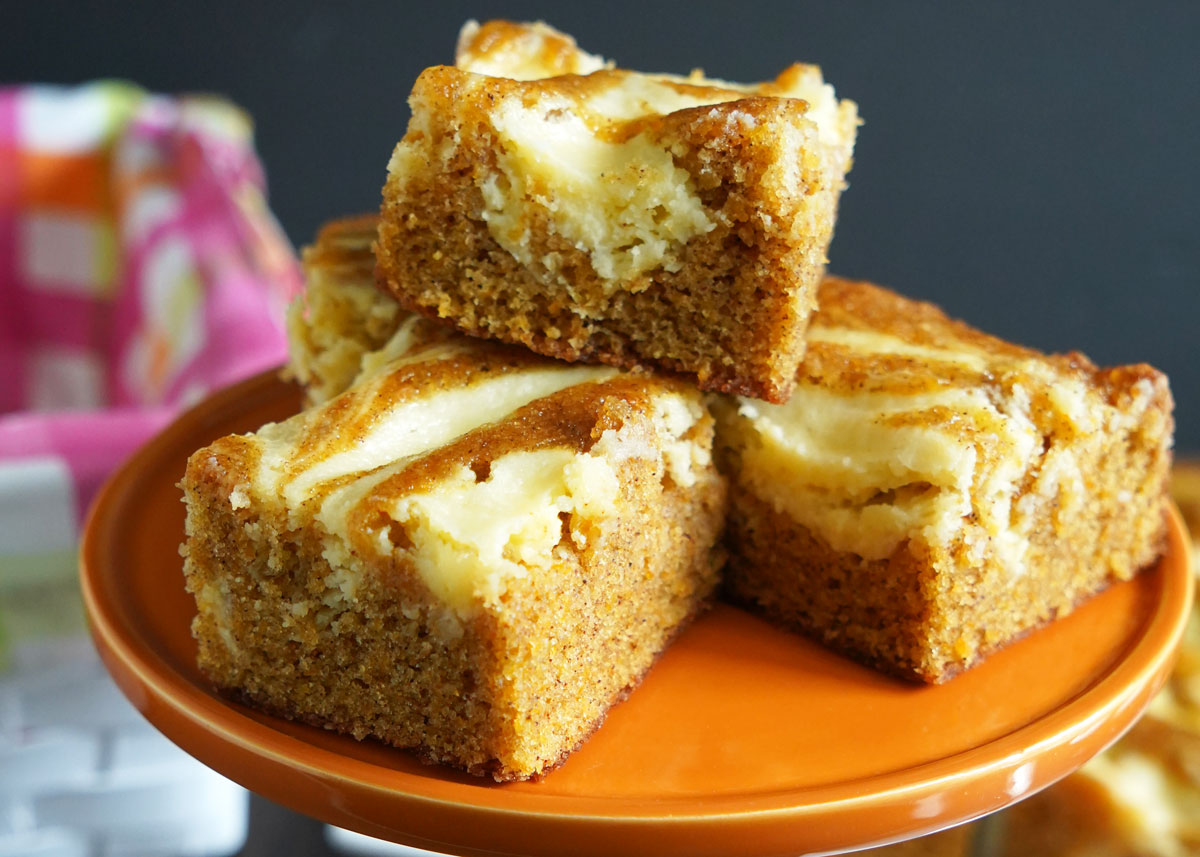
(473, 552)
(617, 217)
(931, 493)
(338, 329)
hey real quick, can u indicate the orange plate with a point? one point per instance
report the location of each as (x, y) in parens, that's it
(742, 739)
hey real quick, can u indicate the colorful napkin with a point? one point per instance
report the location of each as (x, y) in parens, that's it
(140, 269)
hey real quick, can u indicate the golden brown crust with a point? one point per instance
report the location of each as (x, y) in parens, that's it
(344, 631)
(859, 305)
(527, 49)
(850, 305)
(1092, 495)
(732, 314)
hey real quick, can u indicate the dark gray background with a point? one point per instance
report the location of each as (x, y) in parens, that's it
(1033, 167)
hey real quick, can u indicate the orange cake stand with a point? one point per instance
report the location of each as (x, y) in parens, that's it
(742, 740)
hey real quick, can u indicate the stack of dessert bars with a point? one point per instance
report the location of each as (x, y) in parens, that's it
(583, 371)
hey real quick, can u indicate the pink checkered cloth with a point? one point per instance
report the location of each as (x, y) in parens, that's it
(140, 269)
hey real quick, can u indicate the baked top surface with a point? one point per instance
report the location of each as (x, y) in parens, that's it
(342, 249)
(905, 421)
(596, 156)
(538, 61)
(617, 104)
(866, 338)
(869, 343)
(474, 449)
(521, 51)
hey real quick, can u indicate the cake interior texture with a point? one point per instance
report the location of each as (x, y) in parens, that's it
(618, 217)
(473, 552)
(931, 493)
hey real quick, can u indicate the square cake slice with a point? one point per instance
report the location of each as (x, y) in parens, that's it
(930, 493)
(473, 552)
(617, 217)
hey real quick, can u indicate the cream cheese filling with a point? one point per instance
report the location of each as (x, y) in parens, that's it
(868, 471)
(471, 539)
(468, 537)
(404, 347)
(872, 341)
(836, 464)
(624, 203)
(410, 427)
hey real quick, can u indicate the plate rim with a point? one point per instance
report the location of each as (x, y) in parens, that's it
(177, 706)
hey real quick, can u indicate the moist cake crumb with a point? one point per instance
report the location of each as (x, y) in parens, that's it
(618, 217)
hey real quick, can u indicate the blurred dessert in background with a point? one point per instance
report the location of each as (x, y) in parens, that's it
(1141, 798)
